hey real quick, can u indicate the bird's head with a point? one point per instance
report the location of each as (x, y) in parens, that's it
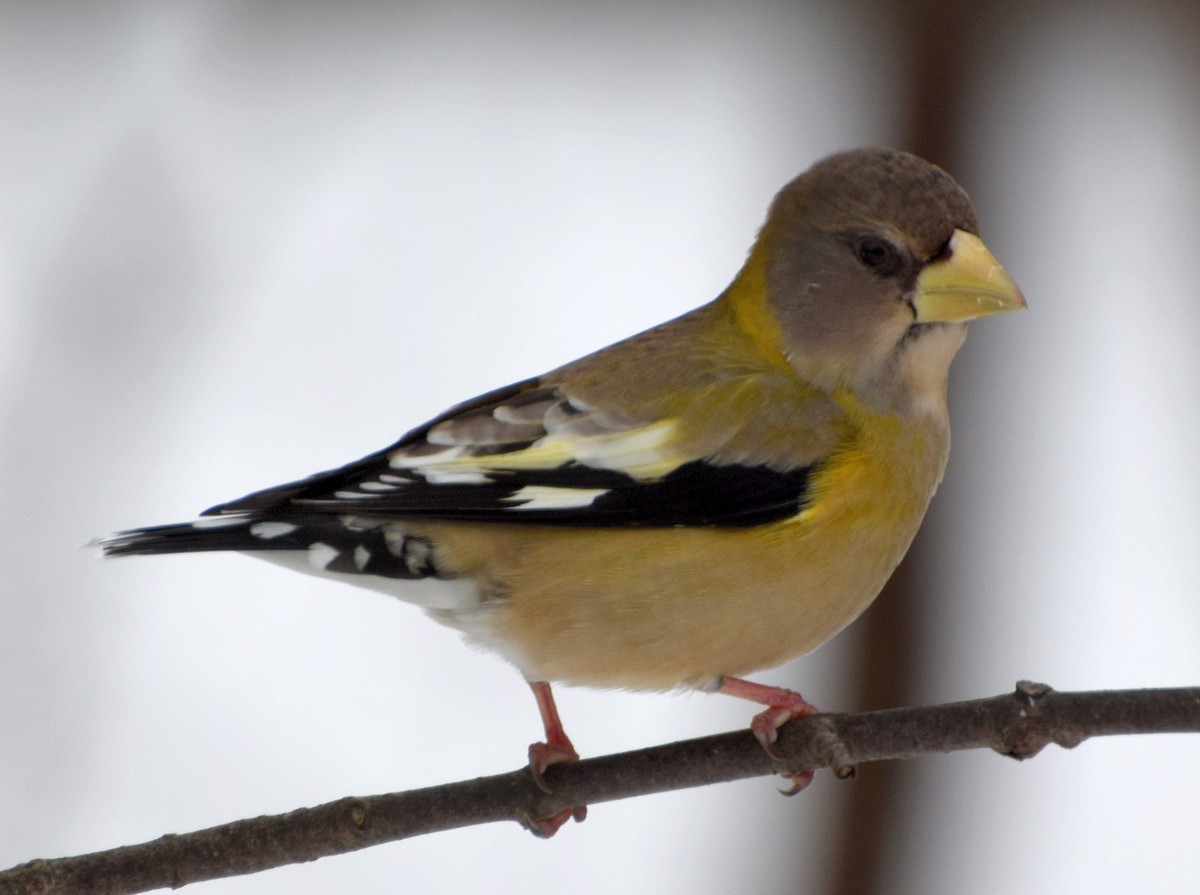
(873, 263)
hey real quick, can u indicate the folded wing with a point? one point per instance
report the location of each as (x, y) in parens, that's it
(532, 453)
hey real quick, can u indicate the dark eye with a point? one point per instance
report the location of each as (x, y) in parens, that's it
(878, 254)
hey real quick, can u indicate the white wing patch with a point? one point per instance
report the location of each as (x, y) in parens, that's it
(643, 453)
(267, 530)
(546, 497)
(382, 487)
(437, 475)
(218, 521)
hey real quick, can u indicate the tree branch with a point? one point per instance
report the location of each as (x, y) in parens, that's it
(1019, 724)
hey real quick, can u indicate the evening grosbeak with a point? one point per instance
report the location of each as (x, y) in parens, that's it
(715, 496)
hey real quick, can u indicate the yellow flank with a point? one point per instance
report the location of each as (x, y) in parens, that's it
(887, 450)
(660, 608)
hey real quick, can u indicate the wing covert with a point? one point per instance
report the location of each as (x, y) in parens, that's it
(531, 453)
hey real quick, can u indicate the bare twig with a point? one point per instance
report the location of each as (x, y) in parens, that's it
(1018, 724)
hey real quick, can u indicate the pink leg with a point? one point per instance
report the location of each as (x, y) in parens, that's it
(781, 706)
(556, 750)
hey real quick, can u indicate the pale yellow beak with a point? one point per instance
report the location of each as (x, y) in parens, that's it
(967, 283)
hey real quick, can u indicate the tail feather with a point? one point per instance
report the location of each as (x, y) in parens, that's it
(332, 543)
(218, 533)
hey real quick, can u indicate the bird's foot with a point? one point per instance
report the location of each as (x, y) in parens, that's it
(782, 705)
(542, 755)
(556, 750)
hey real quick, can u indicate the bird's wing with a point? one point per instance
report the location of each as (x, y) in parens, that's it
(533, 453)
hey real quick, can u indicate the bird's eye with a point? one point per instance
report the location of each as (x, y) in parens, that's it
(877, 254)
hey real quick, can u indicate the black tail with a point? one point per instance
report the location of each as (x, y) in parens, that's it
(216, 533)
(333, 546)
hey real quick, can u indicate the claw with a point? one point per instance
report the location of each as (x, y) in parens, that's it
(781, 706)
(798, 782)
(546, 827)
(556, 750)
(542, 755)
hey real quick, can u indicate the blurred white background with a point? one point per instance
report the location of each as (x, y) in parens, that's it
(242, 242)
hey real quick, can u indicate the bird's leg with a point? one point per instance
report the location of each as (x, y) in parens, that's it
(781, 706)
(556, 750)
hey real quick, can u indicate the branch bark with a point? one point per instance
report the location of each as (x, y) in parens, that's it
(1019, 724)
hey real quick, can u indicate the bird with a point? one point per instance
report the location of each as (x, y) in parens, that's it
(712, 497)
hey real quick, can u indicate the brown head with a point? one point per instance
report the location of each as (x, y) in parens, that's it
(870, 255)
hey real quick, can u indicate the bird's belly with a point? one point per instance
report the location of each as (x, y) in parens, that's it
(662, 608)
(668, 607)
(703, 610)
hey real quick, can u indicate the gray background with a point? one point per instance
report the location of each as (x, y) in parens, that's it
(242, 242)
